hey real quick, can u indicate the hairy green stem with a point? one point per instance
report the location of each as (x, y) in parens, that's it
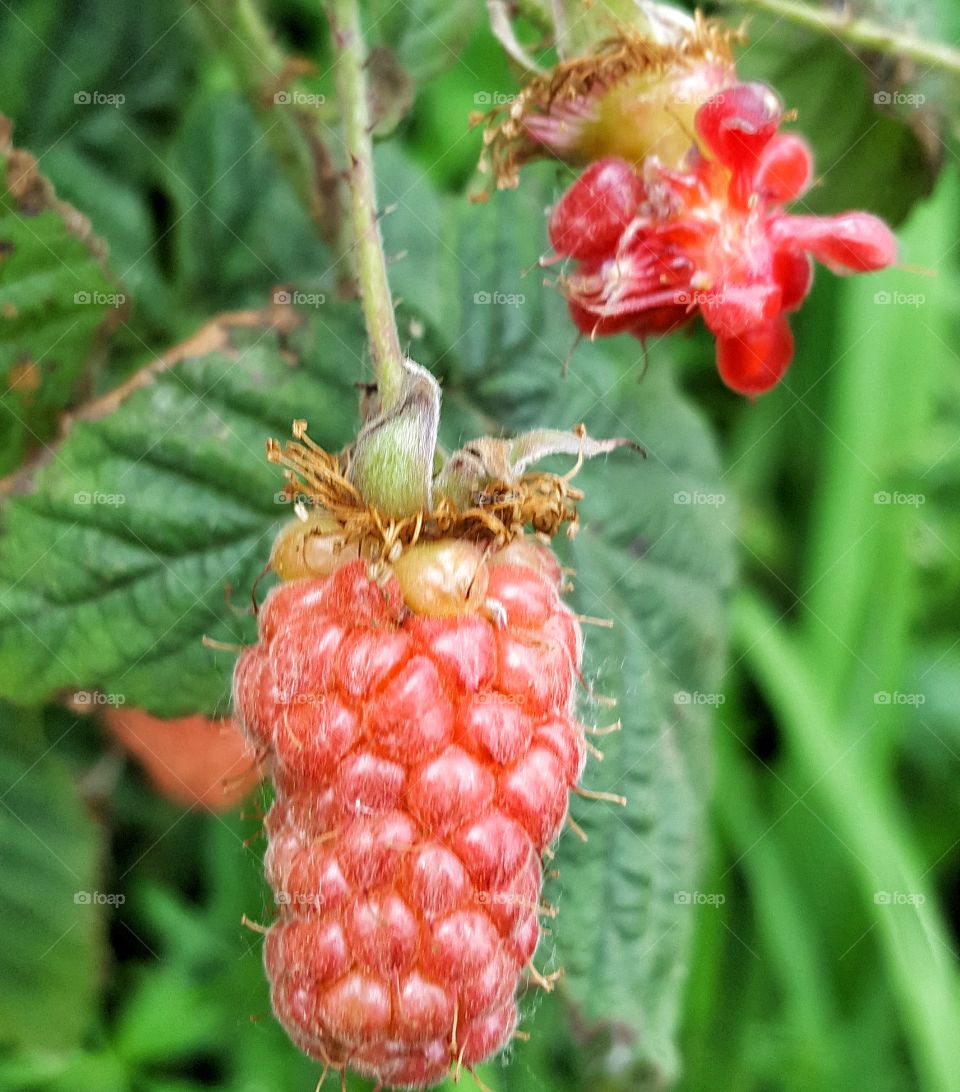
(864, 33)
(371, 262)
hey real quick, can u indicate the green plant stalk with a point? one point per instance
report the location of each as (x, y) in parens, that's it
(864, 33)
(913, 940)
(371, 262)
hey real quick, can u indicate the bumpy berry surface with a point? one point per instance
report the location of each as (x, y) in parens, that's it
(421, 764)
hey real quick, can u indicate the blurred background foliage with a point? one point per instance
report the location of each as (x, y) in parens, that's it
(791, 884)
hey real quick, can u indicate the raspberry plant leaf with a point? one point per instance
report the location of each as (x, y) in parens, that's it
(51, 959)
(428, 38)
(240, 228)
(56, 299)
(150, 513)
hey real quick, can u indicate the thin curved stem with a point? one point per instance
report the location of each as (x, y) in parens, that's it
(371, 266)
(864, 33)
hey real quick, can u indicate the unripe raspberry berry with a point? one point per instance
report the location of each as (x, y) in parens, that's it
(418, 721)
(630, 90)
(308, 547)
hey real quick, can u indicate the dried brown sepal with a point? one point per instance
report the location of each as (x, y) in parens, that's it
(496, 513)
(508, 143)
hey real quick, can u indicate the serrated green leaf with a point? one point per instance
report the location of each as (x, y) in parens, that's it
(427, 37)
(122, 559)
(239, 228)
(50, 959)
(110, 158)
(657, 571)
(55, 297)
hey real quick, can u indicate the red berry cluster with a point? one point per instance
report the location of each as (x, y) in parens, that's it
(421, 766)
(655, 247)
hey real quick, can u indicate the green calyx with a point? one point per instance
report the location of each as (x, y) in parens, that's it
(396, 467)
(393, 460)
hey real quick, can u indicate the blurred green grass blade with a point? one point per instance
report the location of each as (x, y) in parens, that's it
(912, 938)
(79, 1071)
(893, 328)
(788, 933)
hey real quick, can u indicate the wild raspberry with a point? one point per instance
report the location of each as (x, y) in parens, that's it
(711, 238)
(418, 723)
